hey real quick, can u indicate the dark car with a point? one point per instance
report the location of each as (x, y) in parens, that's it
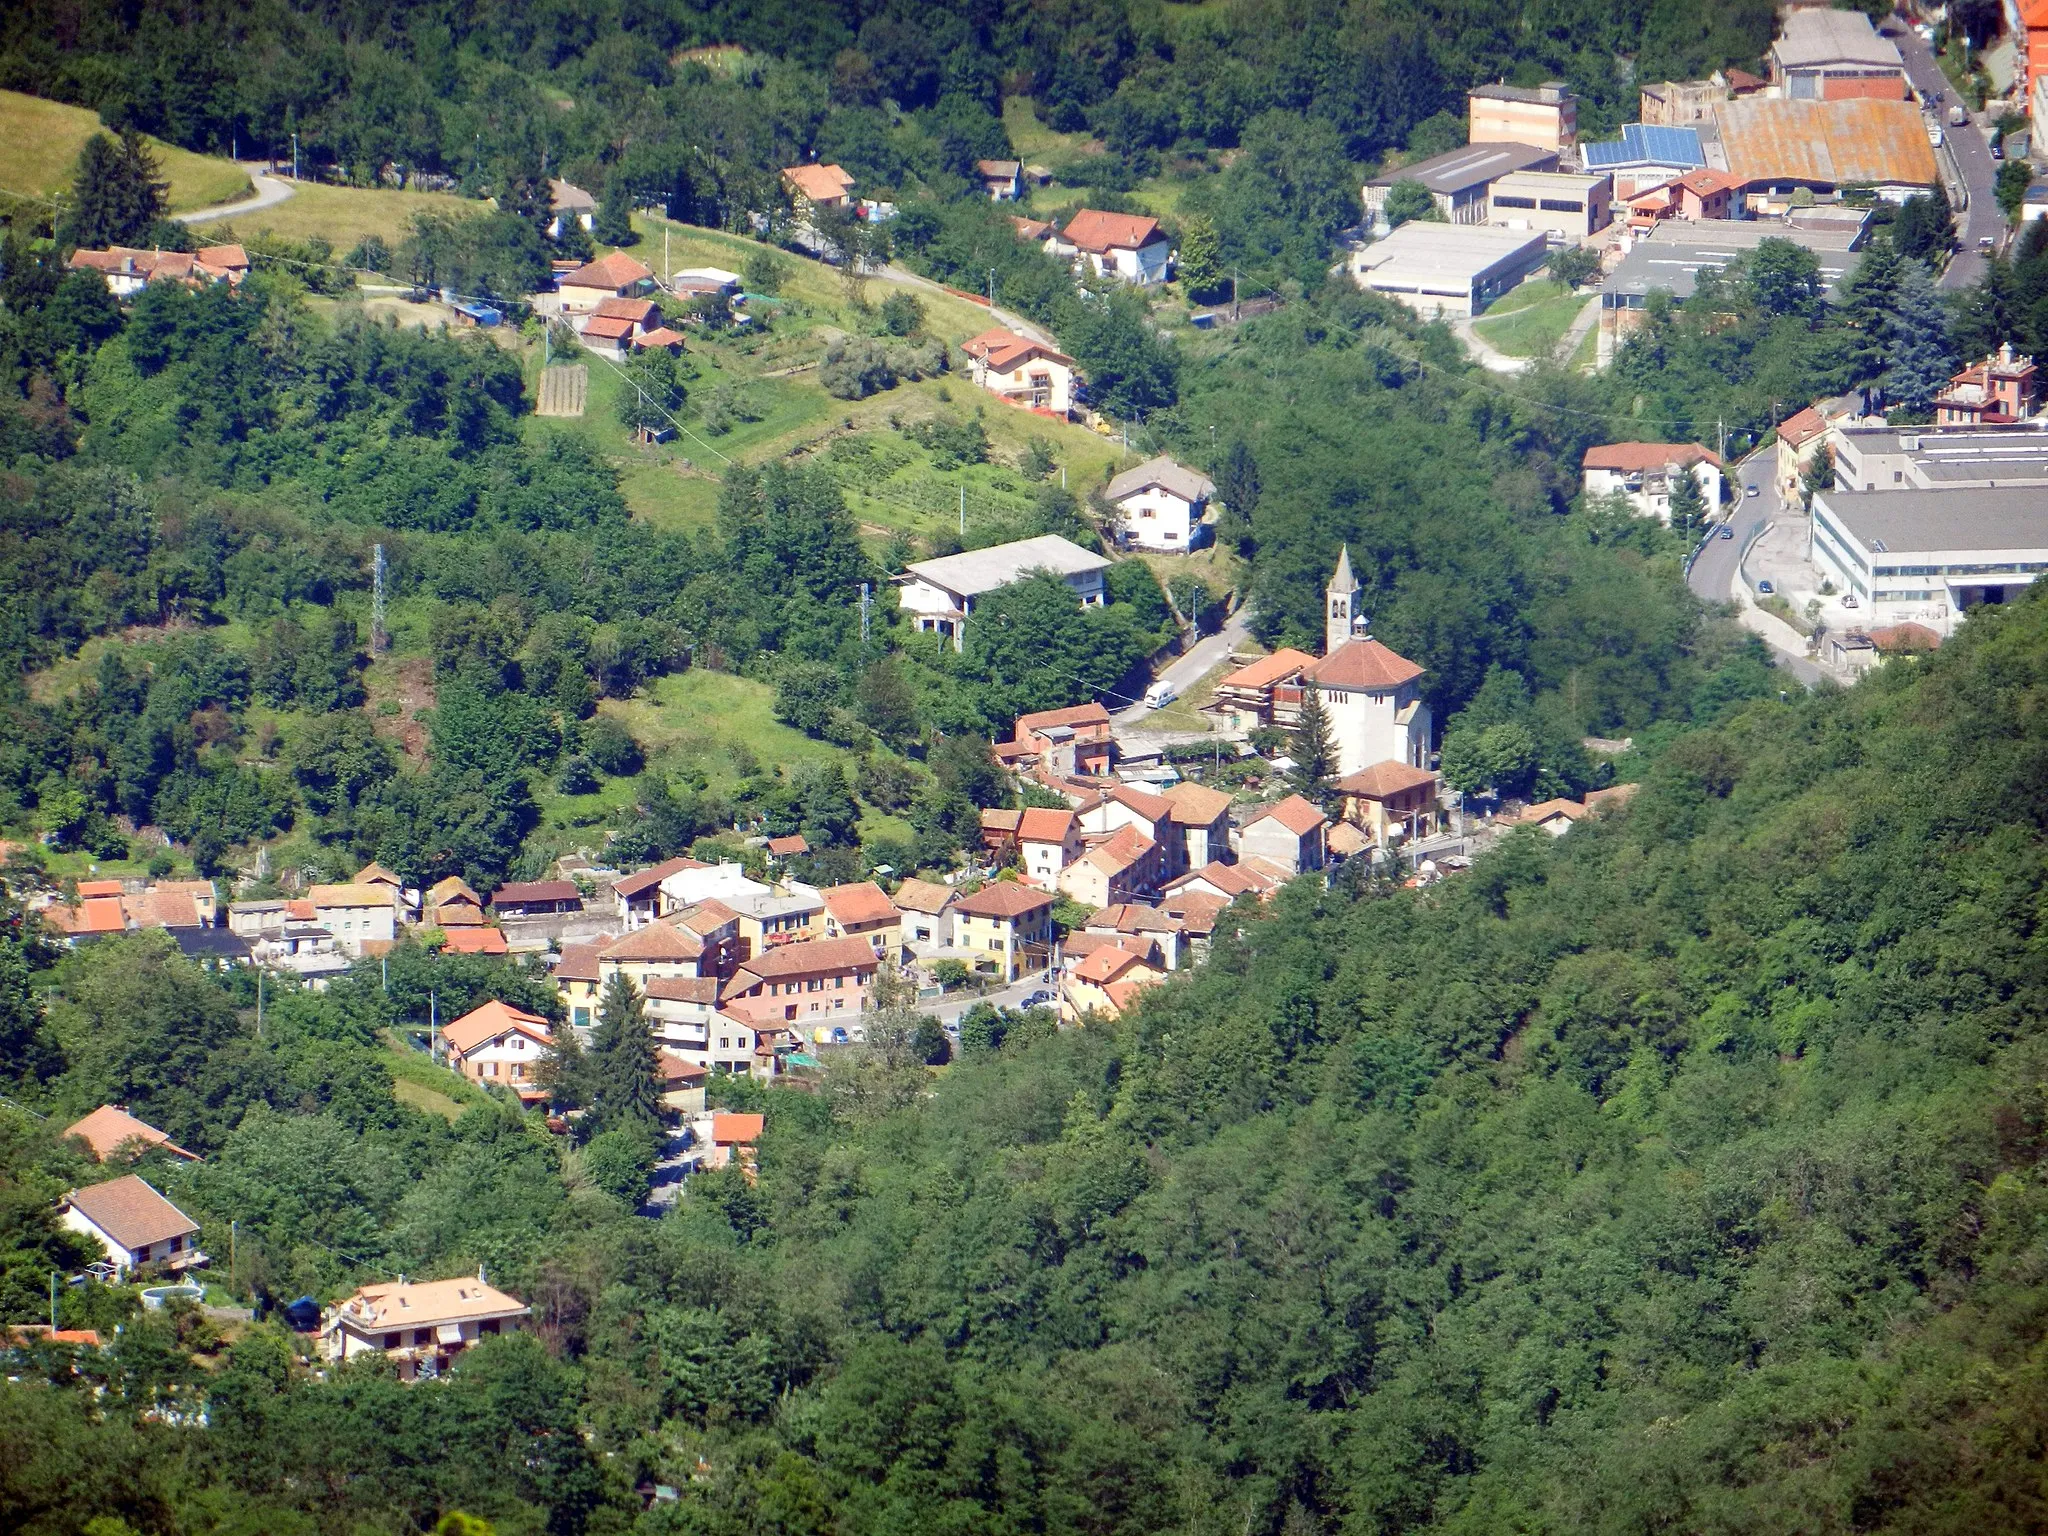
(1727, 533)
(1038, 1000)
(1765, 588)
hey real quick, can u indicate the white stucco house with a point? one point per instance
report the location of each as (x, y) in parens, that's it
(1022, 371)
(1125, 245)
(1644, 473)
(1160, 505)
(134, 1226)
(939, 595)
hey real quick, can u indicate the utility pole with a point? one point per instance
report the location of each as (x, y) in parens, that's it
(231, 1257)
(991, 290)
(53, 1301)
(433, 1029)
(963, 511)
(1234, 311)
(380, 639)
(259, 1003)
(867, 605)
(295, 154)
(384, 972)
(1721, 438)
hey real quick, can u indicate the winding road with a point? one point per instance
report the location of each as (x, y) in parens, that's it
(270, 191)
(1972, 154)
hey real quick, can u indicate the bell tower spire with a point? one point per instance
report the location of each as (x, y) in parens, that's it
(1342, 601)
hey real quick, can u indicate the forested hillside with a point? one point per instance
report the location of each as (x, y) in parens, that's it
(1683, 1174)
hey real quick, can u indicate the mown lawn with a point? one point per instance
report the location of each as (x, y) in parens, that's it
(40, 141)
(698, 717)
(1532, 319)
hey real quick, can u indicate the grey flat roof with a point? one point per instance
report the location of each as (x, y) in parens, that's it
(984, 570)
(1896, 522)
(1674, 264)
(1474, 165)
(1442, 254)
(1813, 37)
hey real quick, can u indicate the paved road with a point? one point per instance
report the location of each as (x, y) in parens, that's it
(1003, 317)
(1973, 159)
(1713, 573)
(270, 191)
(1189, 668)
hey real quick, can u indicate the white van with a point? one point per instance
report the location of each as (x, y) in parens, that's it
(1160, 694)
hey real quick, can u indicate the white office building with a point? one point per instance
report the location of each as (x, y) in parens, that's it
(1449, 269)
(1928, 557)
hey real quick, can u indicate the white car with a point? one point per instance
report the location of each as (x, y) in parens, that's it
(1753, 491)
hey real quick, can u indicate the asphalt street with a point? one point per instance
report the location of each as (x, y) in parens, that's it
(1189, 669)
(1973, 158)
(1713, 574)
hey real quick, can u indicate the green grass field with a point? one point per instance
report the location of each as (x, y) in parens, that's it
(343, 216)
(40, 141)
(1532, 319)
(697, 717)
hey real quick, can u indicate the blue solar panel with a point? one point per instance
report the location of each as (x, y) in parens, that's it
(1641, 144)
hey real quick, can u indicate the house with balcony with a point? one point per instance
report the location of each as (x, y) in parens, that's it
(421, 1325)
(1007, 927)
(497, 1045)
(135, 1227)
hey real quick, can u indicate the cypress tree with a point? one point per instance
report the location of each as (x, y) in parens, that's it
(1919, 361)
(1688, 502)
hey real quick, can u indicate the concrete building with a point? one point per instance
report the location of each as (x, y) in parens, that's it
(1929, 556)
(1123, 245)
(1644, 156)
(1830, 55)
(1545, 115)
(1390, 802)
(1930, 459)
(1160, 505)
(1448, 269)
(1671, 258)
(1007, 926)
(1564, 203)
(1458, 179)
(940, 594)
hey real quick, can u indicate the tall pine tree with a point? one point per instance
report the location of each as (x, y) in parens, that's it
(117, 193)
(1688, 502)
(1311, 747)
(1919, 359)
(623, 1069)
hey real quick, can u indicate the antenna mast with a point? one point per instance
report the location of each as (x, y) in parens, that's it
(380, 639)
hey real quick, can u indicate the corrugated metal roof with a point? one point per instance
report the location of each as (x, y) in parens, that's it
(1835, 143)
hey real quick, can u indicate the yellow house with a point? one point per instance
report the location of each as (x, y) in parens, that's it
(578, 980)
(863, 910)
(1007, 925)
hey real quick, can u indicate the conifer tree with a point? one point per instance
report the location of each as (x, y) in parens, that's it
(1819, 475)
(1918, 357)
(615, 212)
(1312, 748)
(623, 1070)
(1688, 502)
(117, 193)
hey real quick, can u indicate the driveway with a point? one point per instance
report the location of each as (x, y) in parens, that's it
(1972, 154)
(270, 191)
(1195, 664)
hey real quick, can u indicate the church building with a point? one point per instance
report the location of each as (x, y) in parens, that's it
(1369, 693)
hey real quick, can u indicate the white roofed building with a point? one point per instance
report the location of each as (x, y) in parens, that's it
(939, 595)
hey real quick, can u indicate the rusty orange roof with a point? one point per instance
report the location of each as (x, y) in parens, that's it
(473, 941)
(1296, 814)
(737, 1130)
(490, 1020)
(1801, 428)
(616, 271)
(1364, 664)
(1882, 143)
(1268, 670)
(1036, 824)
(861, 901)
(1003, 350)
(109, 1128)
(1003, 900)
(1384, 779)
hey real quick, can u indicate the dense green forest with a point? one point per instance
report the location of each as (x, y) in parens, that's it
(1682, 1174)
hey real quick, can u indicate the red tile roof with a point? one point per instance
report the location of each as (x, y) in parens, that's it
(1196, 805)
(1002, 899)
(616, 271)
(1384, 779)
(1268, 670)
(863, 901)
(109, 1128)
(1364, 664)
(1093, 230)
(737, 1130)
(642, 881)
(794, 843)
(639, 311)
(579, 961)
(1802, 427)
(1039, 825)
(1297, 815)
(656, 943)
(473, 940)
(660, 336)
(131, 1212)
(1634, 458)
(608, 328)
(1079, 714)
(807, 957)
(1005, 350)
(1151, 807)
(819, 183)
(100, 914)
(1107, 964)
(682, 989)
(487, 1022)
(99, 888)
(675, 1072)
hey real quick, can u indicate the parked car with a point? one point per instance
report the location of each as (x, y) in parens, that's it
(1958, 115)
(1985, 242)
(1753, 491)
(1038, 1000)
(1849, 600)
(1727, 533)
(1998, 149)
(1765, 588)
(1160, 694)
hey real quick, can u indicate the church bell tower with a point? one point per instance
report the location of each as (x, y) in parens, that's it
(1340, 611)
